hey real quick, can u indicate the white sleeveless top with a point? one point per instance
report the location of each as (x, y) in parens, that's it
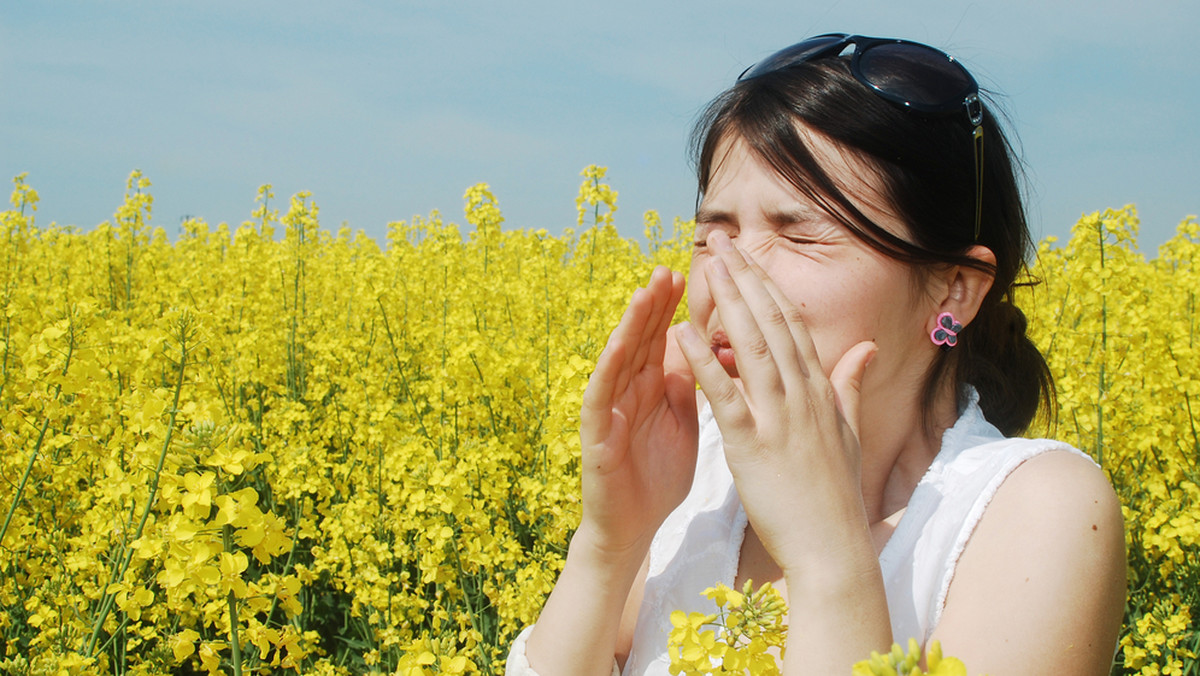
(699, 543)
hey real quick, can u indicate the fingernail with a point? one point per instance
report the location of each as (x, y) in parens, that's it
(720, 241)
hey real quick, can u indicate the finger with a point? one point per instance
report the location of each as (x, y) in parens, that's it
(615, 362)
(762, 343)
(595, 416)
(660, 342)
(726, 401)
(846, 380)
(630, 345)
(678, 382)
(645, 308)
(642, 338)
(674, 361)
(666, 288)
(801, 338)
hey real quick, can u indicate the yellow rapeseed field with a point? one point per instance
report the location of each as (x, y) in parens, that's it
(273, 448)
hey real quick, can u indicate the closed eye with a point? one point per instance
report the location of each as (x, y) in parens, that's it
(707, 220)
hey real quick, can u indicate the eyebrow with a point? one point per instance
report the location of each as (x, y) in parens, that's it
(790, 215)
(706, 215)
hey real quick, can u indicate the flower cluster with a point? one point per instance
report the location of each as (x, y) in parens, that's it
(273, 448)
(276, 449)
(1122, 336)
(598, 195)
(747, 635)
(897, 662)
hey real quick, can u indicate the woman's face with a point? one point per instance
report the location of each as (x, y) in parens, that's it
(845, 291)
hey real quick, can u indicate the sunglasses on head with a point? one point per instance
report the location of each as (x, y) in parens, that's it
(912, 75)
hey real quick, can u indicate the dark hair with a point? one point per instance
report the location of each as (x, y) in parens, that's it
(925, 167)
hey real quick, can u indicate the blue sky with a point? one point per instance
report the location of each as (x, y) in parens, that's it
(389, 110)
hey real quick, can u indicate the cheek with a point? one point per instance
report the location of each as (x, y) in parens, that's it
(841, 311)
(830, 342)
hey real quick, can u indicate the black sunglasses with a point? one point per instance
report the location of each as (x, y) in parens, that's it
(910, 74)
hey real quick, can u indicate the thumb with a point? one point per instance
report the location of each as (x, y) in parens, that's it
(846, 380)
(673, 360)
(679, 381)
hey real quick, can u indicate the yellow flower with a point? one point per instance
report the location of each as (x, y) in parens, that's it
(183, 644)
(899, 662)
(383, 436)
(746, 627)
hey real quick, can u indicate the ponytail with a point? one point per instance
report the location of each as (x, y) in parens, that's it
(998, 359)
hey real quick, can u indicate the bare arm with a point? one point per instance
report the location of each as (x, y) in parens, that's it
(1040, 588)
(633, 604)
(580, 630)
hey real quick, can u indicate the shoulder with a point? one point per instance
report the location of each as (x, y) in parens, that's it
(1061, 498)
(1062, 480)
(1070, 472)
(1040, 586)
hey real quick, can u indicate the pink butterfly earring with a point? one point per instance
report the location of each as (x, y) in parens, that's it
(946, 332)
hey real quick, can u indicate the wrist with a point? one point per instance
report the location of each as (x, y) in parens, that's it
(589, 549)
(843, 566)
(588, 601)
(840, 605)
(829, 561)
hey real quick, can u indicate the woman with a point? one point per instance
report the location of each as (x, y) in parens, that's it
(861, 374)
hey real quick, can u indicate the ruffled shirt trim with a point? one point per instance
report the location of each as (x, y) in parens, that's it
(517, 663)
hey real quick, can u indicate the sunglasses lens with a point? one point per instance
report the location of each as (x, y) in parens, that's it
(797, 53)
(918, 76)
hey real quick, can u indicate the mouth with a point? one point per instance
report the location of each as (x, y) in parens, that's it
(724, 352)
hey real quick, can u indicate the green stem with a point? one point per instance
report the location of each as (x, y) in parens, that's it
(1103, 386)
(468, 592)
(12, 509)
(119, 570)
(256, 657)
(24, 479)
(7, 352)
(400, 369)
(487, 400)
(231, 598)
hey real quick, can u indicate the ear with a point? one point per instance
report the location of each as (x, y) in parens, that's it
(965, 287)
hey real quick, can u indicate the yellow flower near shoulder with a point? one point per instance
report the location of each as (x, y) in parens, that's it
(724, 596)
(897, 662)
(747, 634)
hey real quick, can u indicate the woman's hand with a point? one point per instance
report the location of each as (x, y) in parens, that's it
(638, 425)
(791, 441)
(790, 433)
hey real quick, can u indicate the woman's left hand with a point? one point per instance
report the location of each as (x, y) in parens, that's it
(790, 432)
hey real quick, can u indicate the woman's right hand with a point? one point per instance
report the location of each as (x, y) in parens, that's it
(638, 425)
